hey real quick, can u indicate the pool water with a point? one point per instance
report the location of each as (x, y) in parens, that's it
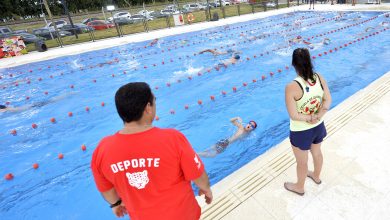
(357, 54)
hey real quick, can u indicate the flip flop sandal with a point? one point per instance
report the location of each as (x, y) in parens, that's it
(298, 193)
(318, 183)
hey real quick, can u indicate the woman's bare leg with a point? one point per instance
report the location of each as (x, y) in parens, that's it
(317, 161)
(301, 157)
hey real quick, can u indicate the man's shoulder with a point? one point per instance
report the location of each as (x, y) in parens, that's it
(107, 139)
(169, 131)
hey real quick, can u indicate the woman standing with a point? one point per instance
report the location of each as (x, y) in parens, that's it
(307, 100)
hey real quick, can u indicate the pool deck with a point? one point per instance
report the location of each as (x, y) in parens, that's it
(356, 173)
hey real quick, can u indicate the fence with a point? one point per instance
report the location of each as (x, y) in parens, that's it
(157, 17)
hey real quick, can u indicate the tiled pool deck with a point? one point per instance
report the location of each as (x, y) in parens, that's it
(356, 172)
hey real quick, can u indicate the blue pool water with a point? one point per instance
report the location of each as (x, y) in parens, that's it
(64, 189)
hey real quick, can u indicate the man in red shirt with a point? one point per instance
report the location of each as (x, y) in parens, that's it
(144, 170)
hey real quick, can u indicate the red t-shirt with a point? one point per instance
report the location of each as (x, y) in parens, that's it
(151, 171)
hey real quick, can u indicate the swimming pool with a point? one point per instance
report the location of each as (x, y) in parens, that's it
(64, 189)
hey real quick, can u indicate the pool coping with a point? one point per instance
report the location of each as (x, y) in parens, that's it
(75, 49)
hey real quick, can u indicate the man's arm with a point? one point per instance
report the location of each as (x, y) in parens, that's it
(204, 187)
(112, 197)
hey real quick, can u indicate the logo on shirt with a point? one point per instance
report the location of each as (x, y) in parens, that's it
(139, 179)
(311, 105)
(197, 161)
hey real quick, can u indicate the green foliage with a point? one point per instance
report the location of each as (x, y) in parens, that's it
(23, 9)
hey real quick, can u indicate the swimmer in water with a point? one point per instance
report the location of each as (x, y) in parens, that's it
(222, 144)
(234, 59)
(153, 42)
(295, 40)
(216, 53)
(4, 108)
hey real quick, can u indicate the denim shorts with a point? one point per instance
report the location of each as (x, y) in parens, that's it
(304, 139)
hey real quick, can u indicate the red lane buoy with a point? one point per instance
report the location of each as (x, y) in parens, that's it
(172, 112)
(223, 93)
(72, 86)
(168, 84)
(9, 176)
(83, 147)
(262, 77)
(244, 84)
(27, 97)
(102, 104)
(156, 87)
(39, 79)
(271, 73)
(94, 80)
(186, 107)
(35, 165)
(200, 102)
(34, 125)
(13, 132)
(60, 156)
(70, 114)
(28, 82)
(254, 80)
(53, 120)
(113, 75)
(234, 89)
(199, 74)
(287, 67)
(313, 57)
(156, 118)
(190, 77)
(46, 93)
(212, 98)
(279, 70)
(87, 109)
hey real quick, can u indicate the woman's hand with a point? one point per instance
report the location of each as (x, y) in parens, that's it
(313, 119)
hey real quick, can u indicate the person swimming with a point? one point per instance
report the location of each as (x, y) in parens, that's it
(234, 59)
(153, 42)
(222, 144)
(216, 53)
(4, 108)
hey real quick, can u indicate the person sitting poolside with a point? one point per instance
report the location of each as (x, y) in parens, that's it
(216, 53)
(222, 144)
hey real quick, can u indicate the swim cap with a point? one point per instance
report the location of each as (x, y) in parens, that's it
(254, 123)
(237, 57)
(3, 106)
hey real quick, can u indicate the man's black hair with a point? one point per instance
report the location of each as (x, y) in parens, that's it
(3, 106)
(131, 100)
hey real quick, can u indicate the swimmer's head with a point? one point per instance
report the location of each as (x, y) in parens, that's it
(237, 57)
(3, 108)
(252, 125)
